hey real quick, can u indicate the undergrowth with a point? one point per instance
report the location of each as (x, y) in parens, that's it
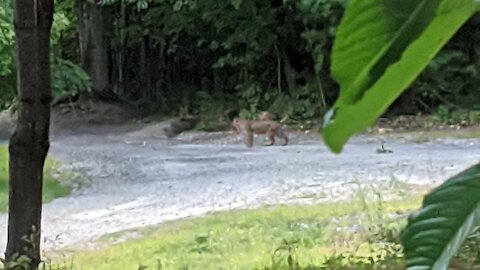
(452, 116)
(362, 233)
(359, 234)
(51, 188)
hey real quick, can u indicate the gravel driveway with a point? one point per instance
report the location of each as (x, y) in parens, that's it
(136, 182)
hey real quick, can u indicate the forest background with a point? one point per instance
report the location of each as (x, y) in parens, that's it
(178, 57)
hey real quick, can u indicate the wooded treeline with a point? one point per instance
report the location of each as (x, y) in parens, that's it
(202, 57)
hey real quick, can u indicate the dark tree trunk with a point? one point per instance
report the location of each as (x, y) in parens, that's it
(29, 143)
(144, 75)
(82, 34)
(92, 44)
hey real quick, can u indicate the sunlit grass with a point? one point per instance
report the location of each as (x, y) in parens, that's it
(51, 188)
(425, 136)
(248, 239)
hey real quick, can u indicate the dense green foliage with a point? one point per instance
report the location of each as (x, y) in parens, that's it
(51, 188)
(7, 76)
(67, 77)
(249, 54)
(183, 56)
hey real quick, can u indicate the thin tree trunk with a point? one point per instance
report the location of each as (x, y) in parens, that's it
(98, 62)
(91, 41)
(289, 74)
(143, 70)
(83, 37)
(82, 30)
(29, 143)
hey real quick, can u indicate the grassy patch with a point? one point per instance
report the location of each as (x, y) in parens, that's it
(51, 188)
(334, 236)
(425, 136)
(447, 134)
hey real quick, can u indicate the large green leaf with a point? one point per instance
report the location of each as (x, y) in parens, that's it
(448, 215)
(380, 48)
(371, 32)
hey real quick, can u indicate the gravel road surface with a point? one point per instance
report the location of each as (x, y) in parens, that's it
(134, 182)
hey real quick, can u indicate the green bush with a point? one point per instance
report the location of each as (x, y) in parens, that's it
(446, 115)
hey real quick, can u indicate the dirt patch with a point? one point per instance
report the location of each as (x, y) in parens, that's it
(91, 117)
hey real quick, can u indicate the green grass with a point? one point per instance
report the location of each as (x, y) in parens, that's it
(259, 239)
(425, 136)
(451, 134)
(51, 188)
